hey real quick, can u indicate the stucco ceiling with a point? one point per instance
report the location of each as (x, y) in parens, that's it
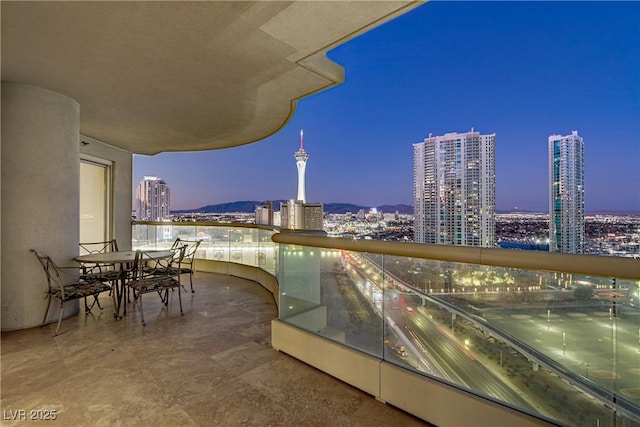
(182, 76)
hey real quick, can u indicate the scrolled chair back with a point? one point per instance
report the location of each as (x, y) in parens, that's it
(51, 271)
(99, 247)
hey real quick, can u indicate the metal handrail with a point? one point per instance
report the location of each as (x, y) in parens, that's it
(589, 265)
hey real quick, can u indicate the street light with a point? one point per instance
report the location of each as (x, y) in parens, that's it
(586, 365)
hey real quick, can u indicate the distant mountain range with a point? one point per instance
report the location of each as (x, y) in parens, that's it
(248, 206)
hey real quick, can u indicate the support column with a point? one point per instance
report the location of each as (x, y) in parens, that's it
(40, 196)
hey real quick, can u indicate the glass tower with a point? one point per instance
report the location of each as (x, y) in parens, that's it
(152, 199)
(454, 189)
(566, 193)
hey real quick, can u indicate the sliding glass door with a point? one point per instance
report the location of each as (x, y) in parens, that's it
(95, 200)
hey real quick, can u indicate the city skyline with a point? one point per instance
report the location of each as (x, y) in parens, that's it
(522, 70)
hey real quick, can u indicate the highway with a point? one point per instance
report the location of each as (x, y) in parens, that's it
(459, 363)
(595, 353)
(439, 352)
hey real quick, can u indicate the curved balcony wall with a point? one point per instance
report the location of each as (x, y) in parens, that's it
(40, 151)
(453, 335)
(242, 250)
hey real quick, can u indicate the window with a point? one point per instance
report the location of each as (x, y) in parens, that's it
(95, 200)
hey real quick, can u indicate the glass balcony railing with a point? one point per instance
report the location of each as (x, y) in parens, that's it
(248, 245)
(559, 346)
(527, 331)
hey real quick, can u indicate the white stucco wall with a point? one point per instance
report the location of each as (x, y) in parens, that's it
(40, 196)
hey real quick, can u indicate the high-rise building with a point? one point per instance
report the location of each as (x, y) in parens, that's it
(152, 199)
(301, 162)
(264, 213)
(298, 214)
(454, 189)
(566, 193)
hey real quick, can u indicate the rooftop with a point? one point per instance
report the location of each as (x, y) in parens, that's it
(214, 366)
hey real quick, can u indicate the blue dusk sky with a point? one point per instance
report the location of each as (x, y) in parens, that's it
(521, 70)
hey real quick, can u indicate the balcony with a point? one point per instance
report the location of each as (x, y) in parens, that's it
(214, 366)
(512, 337)
(62, 58)
(384, 320)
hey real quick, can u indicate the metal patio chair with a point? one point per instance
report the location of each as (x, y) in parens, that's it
(154, 275)
(68, 289)
(98, 271)
(102, 272)
(186, 263)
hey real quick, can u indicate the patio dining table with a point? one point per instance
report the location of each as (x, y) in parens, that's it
(124, 259)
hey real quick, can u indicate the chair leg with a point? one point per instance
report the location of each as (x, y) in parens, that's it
(123, 302)
(141, 309)
(180, 299)
(59, 318)
(164, 295)
(46, 311)
(180, 281)
(191, 281)
(88, 308)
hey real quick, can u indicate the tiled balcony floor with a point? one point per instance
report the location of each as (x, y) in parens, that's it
(214, 366)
